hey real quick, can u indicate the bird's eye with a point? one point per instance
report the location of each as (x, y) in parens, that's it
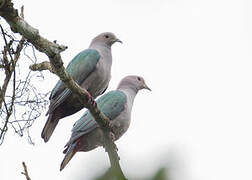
(106, 36)
(138, 78)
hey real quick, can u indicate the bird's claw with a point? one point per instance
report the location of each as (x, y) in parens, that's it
(115, 147)
(112, 136)
(91, 100)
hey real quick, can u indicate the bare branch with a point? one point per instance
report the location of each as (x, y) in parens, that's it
(22, 92)
(42, 66)
(52, 50)
(9, 70)
(2, 3)
(25, 171)
(22, 12)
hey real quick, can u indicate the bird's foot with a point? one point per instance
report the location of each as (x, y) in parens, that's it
(91, 100)
(115, 147)
(112, 136)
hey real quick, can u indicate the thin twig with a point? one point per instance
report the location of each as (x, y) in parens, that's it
(19, 87)
(9, 70)
(25, 171)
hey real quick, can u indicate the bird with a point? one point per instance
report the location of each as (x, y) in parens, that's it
(91, 69)
(117, 106)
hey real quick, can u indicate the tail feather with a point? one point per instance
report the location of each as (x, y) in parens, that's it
(71, 150)
(49, 127)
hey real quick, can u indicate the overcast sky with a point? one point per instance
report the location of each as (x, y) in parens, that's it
(196, 57)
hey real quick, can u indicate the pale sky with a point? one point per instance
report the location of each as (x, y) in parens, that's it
(196, 57)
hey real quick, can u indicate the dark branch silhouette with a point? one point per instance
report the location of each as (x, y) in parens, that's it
(20, 102)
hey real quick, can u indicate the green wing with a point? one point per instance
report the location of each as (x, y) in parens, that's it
(79, 68)
(111, 104)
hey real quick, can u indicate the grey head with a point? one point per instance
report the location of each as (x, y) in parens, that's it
(133, 82)
(106, 38)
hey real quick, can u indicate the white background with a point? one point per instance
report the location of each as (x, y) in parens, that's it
(196, 57)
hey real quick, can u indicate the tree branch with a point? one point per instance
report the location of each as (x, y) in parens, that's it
(42, 66)
(52, 50)
(25, 172)
(9, 68)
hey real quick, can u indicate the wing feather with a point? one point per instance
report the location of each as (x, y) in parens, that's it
(79, 68)
(111, 104)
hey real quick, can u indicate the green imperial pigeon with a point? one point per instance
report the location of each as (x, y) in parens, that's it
(116, 105)
(91, 69)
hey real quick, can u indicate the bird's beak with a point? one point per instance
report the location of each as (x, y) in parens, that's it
(146, 87)
(118, 40)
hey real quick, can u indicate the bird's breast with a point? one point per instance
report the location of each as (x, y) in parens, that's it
(98, 81)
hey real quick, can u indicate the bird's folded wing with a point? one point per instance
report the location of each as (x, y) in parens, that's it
(111, 104)
(79, 68)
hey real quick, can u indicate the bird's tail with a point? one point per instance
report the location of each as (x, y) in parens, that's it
(71, 150)
(49, 127)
